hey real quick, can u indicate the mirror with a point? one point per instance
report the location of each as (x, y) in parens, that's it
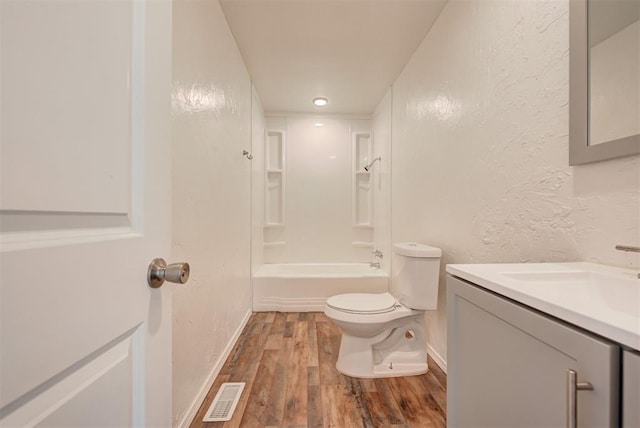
(604, 85)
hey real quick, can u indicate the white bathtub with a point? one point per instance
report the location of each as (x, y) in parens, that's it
(306, 287)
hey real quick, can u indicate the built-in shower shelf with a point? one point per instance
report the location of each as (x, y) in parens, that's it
(362, 190)
(275, 144)
(274, 244)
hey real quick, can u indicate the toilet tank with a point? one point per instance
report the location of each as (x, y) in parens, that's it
(415, 274)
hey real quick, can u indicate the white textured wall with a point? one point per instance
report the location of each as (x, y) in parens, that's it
(211, 194)
(318, 196)
(480, 148)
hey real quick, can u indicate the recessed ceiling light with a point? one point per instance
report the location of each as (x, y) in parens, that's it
(319, 125)
(320, 102)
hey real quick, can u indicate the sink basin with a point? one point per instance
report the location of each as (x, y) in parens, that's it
(573, 277)
(555, 277)
(618, 291)
(598, 298)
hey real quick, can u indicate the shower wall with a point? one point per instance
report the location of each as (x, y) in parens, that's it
(318, 200)
(381, 179)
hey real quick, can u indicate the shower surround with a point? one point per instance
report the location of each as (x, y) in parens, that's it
(319, 211)
(317, 195)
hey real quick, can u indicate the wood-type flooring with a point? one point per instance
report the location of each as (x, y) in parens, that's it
(288, 363)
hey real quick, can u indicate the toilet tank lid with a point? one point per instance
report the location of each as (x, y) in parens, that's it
(413, 249)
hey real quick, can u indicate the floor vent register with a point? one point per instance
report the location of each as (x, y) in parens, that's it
(225, 402)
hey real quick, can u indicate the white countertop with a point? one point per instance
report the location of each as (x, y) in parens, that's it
(602, 299)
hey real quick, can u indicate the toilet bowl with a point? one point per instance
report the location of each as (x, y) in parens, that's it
(382, 341)
(384, 335)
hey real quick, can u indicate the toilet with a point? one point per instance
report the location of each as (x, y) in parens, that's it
(383, 335)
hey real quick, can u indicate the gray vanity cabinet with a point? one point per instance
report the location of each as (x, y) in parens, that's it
(507, 365)
(631, 389)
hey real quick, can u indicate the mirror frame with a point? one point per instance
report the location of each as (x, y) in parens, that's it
(580, 152)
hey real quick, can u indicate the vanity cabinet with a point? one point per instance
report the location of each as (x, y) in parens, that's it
(508, 364)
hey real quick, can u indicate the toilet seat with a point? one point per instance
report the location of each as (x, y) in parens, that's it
(362, 303)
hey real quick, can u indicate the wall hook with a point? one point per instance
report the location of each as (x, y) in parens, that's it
(247, 154)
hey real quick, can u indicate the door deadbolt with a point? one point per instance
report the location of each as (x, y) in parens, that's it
(159, 272)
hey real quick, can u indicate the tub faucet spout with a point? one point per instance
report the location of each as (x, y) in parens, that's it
(375, 265)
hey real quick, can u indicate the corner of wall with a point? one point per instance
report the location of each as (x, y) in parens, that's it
(192, 409)
(211, 128)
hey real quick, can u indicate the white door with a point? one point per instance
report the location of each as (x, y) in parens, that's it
(85, 199)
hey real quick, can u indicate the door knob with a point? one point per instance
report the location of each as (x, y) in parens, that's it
(159, 272)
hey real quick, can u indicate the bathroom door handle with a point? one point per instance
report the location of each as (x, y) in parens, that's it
(573, 386)
(158, 272)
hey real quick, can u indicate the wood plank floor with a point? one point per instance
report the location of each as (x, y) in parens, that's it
(288, 363)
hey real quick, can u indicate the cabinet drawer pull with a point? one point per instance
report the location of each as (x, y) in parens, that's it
(573, 386)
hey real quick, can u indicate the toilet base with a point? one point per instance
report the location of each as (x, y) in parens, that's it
(398, 351)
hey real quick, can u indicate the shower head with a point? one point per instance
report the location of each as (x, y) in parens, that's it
(368, 167)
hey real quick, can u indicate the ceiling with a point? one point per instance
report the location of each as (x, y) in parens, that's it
(349, 51)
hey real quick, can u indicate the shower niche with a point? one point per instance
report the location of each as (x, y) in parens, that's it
(274, 192)
(362, 192)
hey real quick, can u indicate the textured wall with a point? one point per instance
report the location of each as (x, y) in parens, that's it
(211, 194)
(480, 148)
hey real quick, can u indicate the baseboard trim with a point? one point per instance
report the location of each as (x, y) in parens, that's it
(437, 358)
(215, 371)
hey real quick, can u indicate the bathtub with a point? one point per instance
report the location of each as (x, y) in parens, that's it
(298, 287)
